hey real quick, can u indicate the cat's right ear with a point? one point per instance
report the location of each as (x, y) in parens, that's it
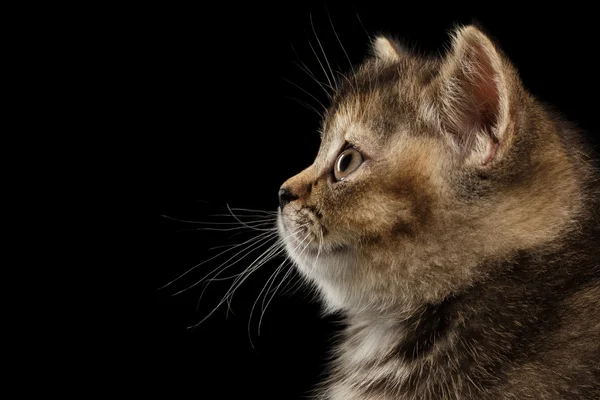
(386, 49)
(471, 96)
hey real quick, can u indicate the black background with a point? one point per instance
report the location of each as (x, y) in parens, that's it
(225, 131)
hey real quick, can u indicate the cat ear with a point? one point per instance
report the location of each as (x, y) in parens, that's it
(472, 96)
(386, 49)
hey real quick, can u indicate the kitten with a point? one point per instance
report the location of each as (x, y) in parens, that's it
(452, 219)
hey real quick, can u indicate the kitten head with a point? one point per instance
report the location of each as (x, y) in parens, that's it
(428, 171)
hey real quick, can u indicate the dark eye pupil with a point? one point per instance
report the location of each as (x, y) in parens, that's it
(345, 162)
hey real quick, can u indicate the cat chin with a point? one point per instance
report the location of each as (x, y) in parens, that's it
(313, 257)
(333, 270)
(318, 260)
(308, 252)
(329, 272)
(327, 265)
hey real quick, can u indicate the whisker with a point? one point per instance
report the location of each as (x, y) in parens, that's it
(272, 279)
(323, 85)
(307, 71)
(305, 91)
(322, 67)
(318, 250)
(212, 258)
(254, 225)
(285, 276)
(340, 42)
(280, 242)
(264, 217)
(240, 281)
(180, 220)
(234, 229)
(322, 51)
(264, 257)
(240, 229)
(235, 216)
(264, 241)
(250, 249)
(222, 268)
(263, 306)
(251, 210)
(295, 284)
(305, 104)
(286, 259)
(265, 286)
(298, 283)
(223, 245)
(363, 26)
(273, 251)
(276, 249)
(256, 222)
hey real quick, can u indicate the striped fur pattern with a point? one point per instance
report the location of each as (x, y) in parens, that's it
(464, 250)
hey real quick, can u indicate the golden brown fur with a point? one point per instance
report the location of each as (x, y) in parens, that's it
(462, 249)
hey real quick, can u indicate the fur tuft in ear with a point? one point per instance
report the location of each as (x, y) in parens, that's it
(386, 49)
(473, 95)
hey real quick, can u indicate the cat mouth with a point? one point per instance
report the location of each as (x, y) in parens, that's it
(302, 231)
(302, 222)
(304, 242)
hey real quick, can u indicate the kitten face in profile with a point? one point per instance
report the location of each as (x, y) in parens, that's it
(442, 205)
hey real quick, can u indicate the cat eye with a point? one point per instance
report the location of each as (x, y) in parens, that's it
(347, 162)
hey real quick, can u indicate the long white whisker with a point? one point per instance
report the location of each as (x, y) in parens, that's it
(322, 67)
(212, 258)
(263, 306)
(305, 91)
(255, 246)
(254, 228)
(235, 216)
(265, 240)
(264, 217)
(241, 280)
(250, 249)
(286, 259)
(269, 284)
(322, 51)
(254, 223)
(276, 250)
(340, 42)
(271, 252)
(272, 279)
(271, 219)
(363, 25)
(265, 286)
(285, 276)
(305, 104)
(251, 210)
(318, 250)
(226, 264)
(308, 72)
(250, 268)
(225, 245)
(291, 284)
(275, 247)
(298, 282)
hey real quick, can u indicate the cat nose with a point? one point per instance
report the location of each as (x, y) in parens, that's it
(286, 196)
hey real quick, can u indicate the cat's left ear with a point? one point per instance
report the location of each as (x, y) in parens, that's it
(472, 96)
(387, 49)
